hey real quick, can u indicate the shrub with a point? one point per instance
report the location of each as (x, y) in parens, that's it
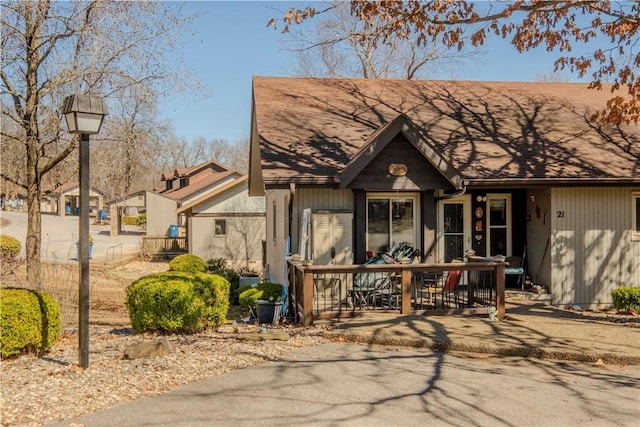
(177, 301)
(30, 321)
(9, 250)
(264, 291)
(626, 299)
(219, 266)
(141, 219)
(188, 263)
(130, 220)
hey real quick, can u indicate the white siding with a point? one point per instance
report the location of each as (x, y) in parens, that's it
(592, 252)
(235, 200)
(240, 247)
(161, 213)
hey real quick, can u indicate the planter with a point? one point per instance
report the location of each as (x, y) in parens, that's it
(78, 250)
(268, 312)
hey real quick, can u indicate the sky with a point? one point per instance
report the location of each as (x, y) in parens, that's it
(230, 42)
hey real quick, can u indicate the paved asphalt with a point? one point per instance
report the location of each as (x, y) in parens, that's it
(342, 384)
(60, 234)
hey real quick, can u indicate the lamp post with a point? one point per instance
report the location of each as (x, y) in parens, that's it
(84, 115)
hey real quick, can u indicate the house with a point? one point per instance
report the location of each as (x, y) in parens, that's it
(499, 168)
(181, 186)
(64, 200)
(227, 223)
(160, 212)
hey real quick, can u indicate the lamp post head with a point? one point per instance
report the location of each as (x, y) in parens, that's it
(84, 113)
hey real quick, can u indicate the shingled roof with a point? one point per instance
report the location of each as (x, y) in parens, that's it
(309, 129)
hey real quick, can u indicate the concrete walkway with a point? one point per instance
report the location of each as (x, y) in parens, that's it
(530, 329)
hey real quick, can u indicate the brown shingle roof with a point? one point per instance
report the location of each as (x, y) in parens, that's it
(309, 129)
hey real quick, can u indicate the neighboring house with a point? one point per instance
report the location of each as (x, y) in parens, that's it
(160, 212)
(227, 223)
(450, 166)
(65, 200)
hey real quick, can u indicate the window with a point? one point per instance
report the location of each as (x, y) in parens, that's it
(498, 224)
(635, 215)
(220, 227)
(391, 221)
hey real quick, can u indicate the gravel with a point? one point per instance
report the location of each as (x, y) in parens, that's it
(39, 390)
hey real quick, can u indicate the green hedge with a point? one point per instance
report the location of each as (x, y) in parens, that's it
(177, 301)
(30, 321)
(264, 291)
(9, 246)
(219, 266)
(188, 263)
(626, 299)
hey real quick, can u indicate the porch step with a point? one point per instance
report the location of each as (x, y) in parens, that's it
(531, 296)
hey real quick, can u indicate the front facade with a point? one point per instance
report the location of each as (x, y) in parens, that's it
(508, 169)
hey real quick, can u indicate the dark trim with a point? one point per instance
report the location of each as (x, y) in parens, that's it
(360, 225)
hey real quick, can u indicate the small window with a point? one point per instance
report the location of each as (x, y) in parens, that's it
(635, 215)
(220, 227)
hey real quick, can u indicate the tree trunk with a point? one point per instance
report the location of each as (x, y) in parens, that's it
(34, 224)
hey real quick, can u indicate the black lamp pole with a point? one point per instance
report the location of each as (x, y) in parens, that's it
(84, 115)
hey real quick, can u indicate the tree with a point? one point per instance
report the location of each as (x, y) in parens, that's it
(555, 25)
(340, 46)
(53, 49)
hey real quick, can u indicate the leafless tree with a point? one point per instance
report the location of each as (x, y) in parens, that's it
(53, 49)
(339, 45)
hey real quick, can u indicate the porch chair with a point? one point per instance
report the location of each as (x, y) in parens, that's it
(517, 267)
(452, 289)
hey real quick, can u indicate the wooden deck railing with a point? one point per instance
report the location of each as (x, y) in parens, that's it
(332, 291)
(165, 247)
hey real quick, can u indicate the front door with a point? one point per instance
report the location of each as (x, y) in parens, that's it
(454, 228)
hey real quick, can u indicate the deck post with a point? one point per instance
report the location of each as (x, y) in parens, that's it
(500, 278)
(307, 298)
(406, 291)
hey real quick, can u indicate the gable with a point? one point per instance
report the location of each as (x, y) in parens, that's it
(421, 175)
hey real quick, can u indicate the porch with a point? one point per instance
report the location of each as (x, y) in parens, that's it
(335, 291)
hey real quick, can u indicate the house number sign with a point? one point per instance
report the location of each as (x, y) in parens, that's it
(560, 214)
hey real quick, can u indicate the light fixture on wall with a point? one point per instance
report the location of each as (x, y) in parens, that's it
(533, 198)
(397, 169)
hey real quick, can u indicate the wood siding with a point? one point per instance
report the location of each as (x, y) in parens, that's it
(316, 199)
(591, 248)
(421, 174)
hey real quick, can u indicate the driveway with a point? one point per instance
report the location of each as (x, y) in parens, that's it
(340, 384)
(60, 234)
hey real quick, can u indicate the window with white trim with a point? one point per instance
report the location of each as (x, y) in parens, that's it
(635, 215)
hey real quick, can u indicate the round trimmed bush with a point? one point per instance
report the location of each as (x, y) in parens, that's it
(30, 321)
(264, 291)
(177, 301)
(9, 247)
(188, 263)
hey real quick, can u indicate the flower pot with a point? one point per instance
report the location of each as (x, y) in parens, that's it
(78, 250)
(268, 311)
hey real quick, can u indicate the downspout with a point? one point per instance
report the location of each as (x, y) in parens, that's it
(460, 192)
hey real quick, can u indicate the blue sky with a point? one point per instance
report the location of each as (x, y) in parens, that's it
(230, 42)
